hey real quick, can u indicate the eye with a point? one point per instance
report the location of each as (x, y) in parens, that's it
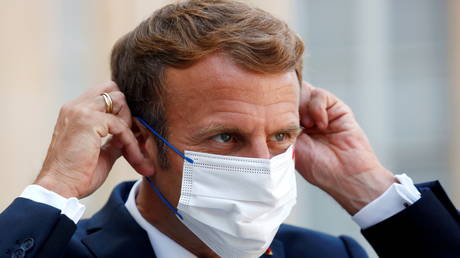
(223, 138)
(279, 137)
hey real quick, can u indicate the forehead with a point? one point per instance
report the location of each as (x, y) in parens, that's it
(216, 86)
(218, 76)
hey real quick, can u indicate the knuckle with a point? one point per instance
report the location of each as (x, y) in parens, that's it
(100, 130)
(82, 112)
(347, 108)
(314, 93)
(114, 85)
(308, 86)
(118, 126)
(65, 108)
(320, 92)
(123, 125)
(118, 96)
(82, 115)
(109, 86)
(73, 111)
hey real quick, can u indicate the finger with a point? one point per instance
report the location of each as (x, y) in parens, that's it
(94, 92)
(122, 132)
(105, 87)
(122, 111)
(317, 109)
(125, 141)
(319, 104)
(340, 118)
(338, 110)
(305, 95)
(119, 105)
(107, 157)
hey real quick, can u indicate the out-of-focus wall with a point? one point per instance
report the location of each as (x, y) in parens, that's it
(454, 28)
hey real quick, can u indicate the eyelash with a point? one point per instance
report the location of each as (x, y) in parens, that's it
(287, 136)
(220, 134)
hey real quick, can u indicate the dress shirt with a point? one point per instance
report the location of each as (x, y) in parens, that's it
(70, 207)
(164, 246)
(393, 200)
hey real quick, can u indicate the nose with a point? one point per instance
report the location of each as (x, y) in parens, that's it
(257, 149)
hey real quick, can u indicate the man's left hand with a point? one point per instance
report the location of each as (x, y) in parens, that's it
(334, 154)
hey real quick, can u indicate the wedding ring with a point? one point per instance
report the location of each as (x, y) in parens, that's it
(108, 102)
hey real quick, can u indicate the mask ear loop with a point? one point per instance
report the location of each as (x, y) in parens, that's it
(157, 191)
(164, 140)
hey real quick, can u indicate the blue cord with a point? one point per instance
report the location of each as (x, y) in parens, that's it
(164, 140)
(164, 199)
(157, 191)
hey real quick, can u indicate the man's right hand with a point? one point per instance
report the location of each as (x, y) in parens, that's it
(78, 162)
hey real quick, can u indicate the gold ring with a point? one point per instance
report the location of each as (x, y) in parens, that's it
(108, 102)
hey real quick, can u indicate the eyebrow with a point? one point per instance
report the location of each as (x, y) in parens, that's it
(215, 129)
(293, 129)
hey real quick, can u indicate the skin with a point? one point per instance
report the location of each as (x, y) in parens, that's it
(216, 107)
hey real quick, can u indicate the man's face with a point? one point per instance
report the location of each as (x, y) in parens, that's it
(217, 107)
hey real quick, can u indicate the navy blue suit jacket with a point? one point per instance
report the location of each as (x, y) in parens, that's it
(428, 228)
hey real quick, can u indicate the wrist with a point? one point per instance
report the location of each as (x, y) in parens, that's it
(356, 191)
(58, 186)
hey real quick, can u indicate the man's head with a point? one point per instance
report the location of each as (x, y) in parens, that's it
(213, 76)
(148, 62)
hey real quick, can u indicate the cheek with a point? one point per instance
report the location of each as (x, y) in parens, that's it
(171, 179)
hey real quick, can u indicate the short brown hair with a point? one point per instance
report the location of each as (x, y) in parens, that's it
(182, 33)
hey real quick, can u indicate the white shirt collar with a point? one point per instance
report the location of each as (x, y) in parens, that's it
(164, 246)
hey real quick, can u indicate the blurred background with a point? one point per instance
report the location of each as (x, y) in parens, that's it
(396, 63)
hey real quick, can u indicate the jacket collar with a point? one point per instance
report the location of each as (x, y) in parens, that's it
(112, 232)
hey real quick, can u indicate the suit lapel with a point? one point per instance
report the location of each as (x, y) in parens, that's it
(112, 232)
(277, 250)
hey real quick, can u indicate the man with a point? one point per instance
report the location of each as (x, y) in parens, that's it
(208, 105)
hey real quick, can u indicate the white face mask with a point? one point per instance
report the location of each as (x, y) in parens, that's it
(235, 205)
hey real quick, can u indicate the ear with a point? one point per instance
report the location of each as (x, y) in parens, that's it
(147, 146)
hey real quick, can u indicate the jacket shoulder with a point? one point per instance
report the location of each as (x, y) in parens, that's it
(302, 242)
(112, 224)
